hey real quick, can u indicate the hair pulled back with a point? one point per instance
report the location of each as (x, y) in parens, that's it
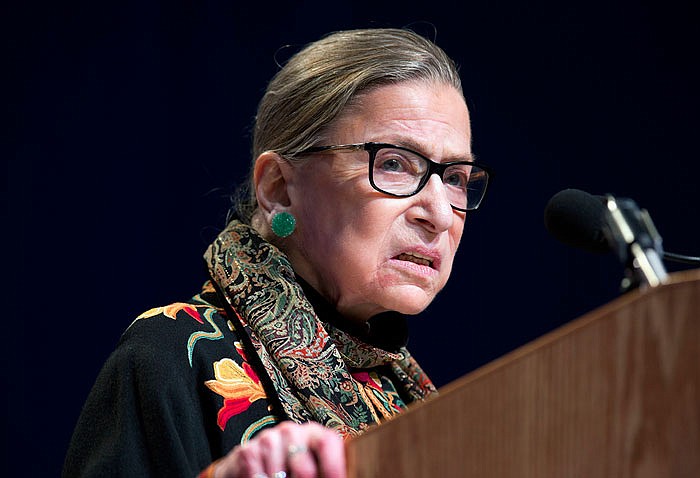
(304, 98)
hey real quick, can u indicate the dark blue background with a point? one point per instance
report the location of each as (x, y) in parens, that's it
(128, 126)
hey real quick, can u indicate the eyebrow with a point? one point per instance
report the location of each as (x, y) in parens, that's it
(411, 144)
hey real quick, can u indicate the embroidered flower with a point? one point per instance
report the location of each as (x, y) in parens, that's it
(238, 385)
(171, 311)
(208, 288)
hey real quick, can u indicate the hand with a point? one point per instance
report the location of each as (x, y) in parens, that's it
(288, 450)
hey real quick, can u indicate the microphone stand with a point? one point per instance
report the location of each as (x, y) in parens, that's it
(633, 236)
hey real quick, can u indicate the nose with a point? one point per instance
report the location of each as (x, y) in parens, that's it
(432, 209)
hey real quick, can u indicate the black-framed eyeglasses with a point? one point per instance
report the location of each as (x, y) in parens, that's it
(402, 172)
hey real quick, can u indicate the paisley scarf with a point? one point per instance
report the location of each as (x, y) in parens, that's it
(308, 361)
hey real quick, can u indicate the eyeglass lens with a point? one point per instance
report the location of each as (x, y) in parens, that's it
(403, 173)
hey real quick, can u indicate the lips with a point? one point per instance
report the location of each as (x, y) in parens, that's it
(416, 258)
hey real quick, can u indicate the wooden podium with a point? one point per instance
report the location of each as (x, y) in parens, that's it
(615, 393)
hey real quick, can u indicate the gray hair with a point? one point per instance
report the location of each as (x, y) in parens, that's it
(319, 82)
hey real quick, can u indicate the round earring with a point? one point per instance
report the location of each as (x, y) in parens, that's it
(283, 224)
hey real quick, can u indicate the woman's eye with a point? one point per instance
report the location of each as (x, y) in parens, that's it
(393, 165)
(456, 179)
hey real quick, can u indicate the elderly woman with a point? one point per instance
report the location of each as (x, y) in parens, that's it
(361, 180)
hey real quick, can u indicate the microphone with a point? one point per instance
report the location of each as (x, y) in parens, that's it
(576, 218)
(601, 223)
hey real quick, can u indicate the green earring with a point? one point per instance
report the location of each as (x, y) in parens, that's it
(283, 224)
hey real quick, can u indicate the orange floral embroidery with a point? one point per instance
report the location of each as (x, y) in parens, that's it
(171, 311)
(238, 385)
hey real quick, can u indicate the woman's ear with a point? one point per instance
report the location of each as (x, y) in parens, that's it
(270, 176)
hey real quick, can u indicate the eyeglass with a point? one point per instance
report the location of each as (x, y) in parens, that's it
(401, 172)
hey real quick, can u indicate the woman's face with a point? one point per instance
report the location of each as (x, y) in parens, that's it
(364, 251)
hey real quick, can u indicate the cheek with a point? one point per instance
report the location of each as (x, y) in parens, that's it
(360, 249)
(456, 232)
(454, 238)
(341, 242)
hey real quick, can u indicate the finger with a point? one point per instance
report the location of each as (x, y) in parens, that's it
(242, 461)
(330, 452)
(295, 438)
(273, 447)
(323, 455)
(301, 461)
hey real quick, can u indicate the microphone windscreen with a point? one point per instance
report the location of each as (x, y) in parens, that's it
(577, 219)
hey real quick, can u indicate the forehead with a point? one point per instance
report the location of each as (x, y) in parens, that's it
(430, 117)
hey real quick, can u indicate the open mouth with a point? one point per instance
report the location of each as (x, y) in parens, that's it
(415, 258)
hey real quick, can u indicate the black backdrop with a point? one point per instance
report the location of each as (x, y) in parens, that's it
(128, 126)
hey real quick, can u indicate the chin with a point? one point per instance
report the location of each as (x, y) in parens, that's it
(409, 300)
